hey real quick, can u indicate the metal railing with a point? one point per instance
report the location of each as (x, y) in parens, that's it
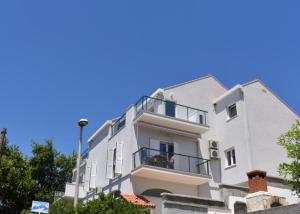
(85, 154)
(171, 109)
(168, 160)
(119, 124)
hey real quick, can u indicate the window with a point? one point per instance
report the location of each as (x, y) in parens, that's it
(232, 112)
(170, 108)
(230, 157)
(167, 152)
(114, 162)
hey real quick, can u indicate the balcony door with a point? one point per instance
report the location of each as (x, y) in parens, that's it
(163, 153)
(170, 108)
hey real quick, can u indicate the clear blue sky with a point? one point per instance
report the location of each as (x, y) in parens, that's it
(63, 60)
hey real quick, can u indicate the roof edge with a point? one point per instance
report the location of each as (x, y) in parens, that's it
(227, 93)
(277, 96)
(108, 122)
(194, 80)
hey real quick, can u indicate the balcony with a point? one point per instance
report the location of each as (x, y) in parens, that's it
(166, 166)
(167, 114)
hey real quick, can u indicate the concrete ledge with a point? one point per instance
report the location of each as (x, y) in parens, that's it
(191, 200)
(237, 187)
(289, 209)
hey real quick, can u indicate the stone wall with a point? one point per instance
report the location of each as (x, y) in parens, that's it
(171, 208)
(174, 204)
(290, 209)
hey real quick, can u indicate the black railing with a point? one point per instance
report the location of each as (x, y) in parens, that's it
(168, 160)
(171, 109)
(119, 124)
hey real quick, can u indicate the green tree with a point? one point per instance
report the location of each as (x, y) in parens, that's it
(102, 205)
(50, 169)
(16, 184)
(291, 170)
(25, 179)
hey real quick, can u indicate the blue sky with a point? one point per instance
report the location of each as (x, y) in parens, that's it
(64, 60)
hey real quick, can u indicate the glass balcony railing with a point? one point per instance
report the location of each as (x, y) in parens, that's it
(171, 109)
(172, 161)
(119, 124)
(85, 154)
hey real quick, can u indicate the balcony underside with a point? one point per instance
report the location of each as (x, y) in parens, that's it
(171, 123)
(163, 174)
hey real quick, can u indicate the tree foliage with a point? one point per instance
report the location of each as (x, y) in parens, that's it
(291, 170)
(102, 205)
(50, 169)
(16, 184)
(24, 179)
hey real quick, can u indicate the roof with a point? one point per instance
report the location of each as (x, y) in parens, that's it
(107, 123)
(227, 93)
(138, 200)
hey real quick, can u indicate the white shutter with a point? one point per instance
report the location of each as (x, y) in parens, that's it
(87, 175)
(93, 176)
(110, 162)
(119, 158)
(155, 145)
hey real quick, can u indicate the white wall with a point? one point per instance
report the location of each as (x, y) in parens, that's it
(98, 155)
(231, 133)
(268, 119)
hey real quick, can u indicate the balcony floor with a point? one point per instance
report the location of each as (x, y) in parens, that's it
(163, 174)
(171, 123)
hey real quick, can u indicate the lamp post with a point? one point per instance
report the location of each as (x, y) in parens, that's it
(2, 140)
(81, 123)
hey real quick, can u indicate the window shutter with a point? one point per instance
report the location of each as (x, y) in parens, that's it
(119, 158)
(93, 175)
(110, 162)
(87, 175)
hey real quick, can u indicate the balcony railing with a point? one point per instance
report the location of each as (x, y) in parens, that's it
(119, 124)
(172, 161)
(85, 154)
(171, 109)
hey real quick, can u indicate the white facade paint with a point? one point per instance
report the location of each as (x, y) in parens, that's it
(261, 118)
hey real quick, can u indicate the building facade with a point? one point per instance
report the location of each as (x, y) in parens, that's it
(196, 140)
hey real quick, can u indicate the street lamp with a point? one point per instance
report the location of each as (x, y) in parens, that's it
(2, 140)
(81, 123)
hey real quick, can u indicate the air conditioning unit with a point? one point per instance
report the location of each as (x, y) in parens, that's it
(213, 144)
(214, 154)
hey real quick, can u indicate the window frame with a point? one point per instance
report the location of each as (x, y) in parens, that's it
(232, 157)
(114, 162)
(228, 109)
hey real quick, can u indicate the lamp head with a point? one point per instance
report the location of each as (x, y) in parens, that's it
(83, 122)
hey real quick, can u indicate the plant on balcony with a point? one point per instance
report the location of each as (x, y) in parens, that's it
(158, 160)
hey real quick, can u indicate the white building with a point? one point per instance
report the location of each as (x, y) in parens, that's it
(194, 140)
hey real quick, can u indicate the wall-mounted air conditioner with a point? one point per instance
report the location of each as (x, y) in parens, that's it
(213, 144)
(214, 154)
